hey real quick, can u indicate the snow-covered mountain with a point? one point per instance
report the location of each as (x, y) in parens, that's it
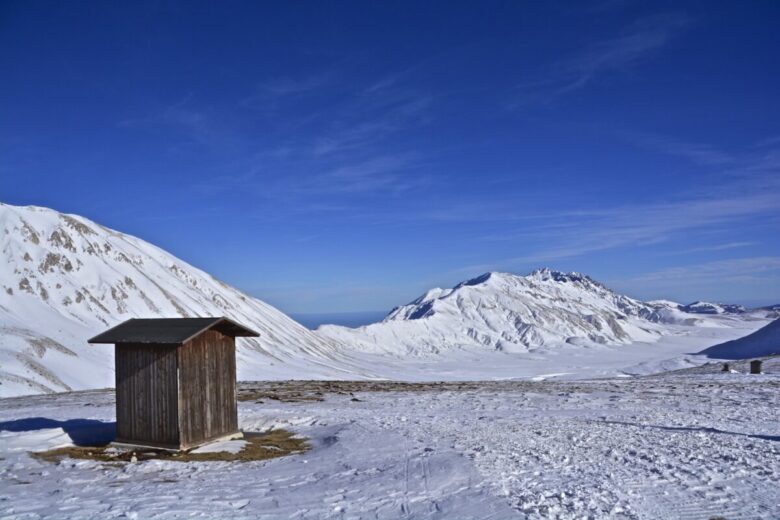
(712, 308)
(64, 278)
(511, 313)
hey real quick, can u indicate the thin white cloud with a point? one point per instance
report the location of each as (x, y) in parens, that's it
(643, 225)
(193, 121)
(271, 93)
(698, 153)
(637, 41)
(290, 86)
(712, 248)
(383, 173)
(720, 271)
(740, 280)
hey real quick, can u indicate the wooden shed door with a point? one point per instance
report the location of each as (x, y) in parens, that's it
(207, 379)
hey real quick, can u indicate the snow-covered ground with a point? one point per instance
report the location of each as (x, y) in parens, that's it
(681, 445)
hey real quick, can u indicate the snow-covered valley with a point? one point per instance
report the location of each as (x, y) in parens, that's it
(683, 445)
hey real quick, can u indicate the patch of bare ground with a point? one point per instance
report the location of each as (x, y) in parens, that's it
(259, 446)
(311, 390)
(300, 391)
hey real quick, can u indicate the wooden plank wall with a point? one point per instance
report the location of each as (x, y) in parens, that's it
(207, 378)
(146, 394)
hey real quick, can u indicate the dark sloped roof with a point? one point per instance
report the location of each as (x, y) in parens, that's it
(169, 330)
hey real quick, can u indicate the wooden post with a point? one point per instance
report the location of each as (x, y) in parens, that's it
(755, 367)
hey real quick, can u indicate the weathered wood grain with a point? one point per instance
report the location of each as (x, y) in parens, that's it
(146, 390)
(207, 388)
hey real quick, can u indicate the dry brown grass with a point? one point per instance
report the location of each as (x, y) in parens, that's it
(300, 391)
(259, 446)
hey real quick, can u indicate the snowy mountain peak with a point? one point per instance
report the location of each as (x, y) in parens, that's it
(544, 274)
(483, 278)
(492, 284)
(504, 311)
(545, 310)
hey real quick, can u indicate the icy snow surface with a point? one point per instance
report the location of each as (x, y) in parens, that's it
(685, 445)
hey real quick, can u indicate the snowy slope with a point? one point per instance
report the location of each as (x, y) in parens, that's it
(763, 342)
(510, 313)
(64, 278)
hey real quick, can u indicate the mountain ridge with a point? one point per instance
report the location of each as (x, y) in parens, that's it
(533, 312)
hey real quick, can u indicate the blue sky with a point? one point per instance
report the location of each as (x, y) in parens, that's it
(347, 156)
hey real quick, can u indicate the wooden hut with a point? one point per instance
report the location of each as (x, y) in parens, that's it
(175, 380)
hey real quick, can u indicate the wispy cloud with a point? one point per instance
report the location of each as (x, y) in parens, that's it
(750, 190)
(370, 122)
(751, 281)
(292, 86)
(575, 72)
(698, 153)
(193, 121)
(636, 226)
(383, 173)
(345, 146)
(271, 93)
(720, 271)
(322, 187)
(716, 247)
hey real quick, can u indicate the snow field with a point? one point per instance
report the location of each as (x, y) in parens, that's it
(693, 446)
